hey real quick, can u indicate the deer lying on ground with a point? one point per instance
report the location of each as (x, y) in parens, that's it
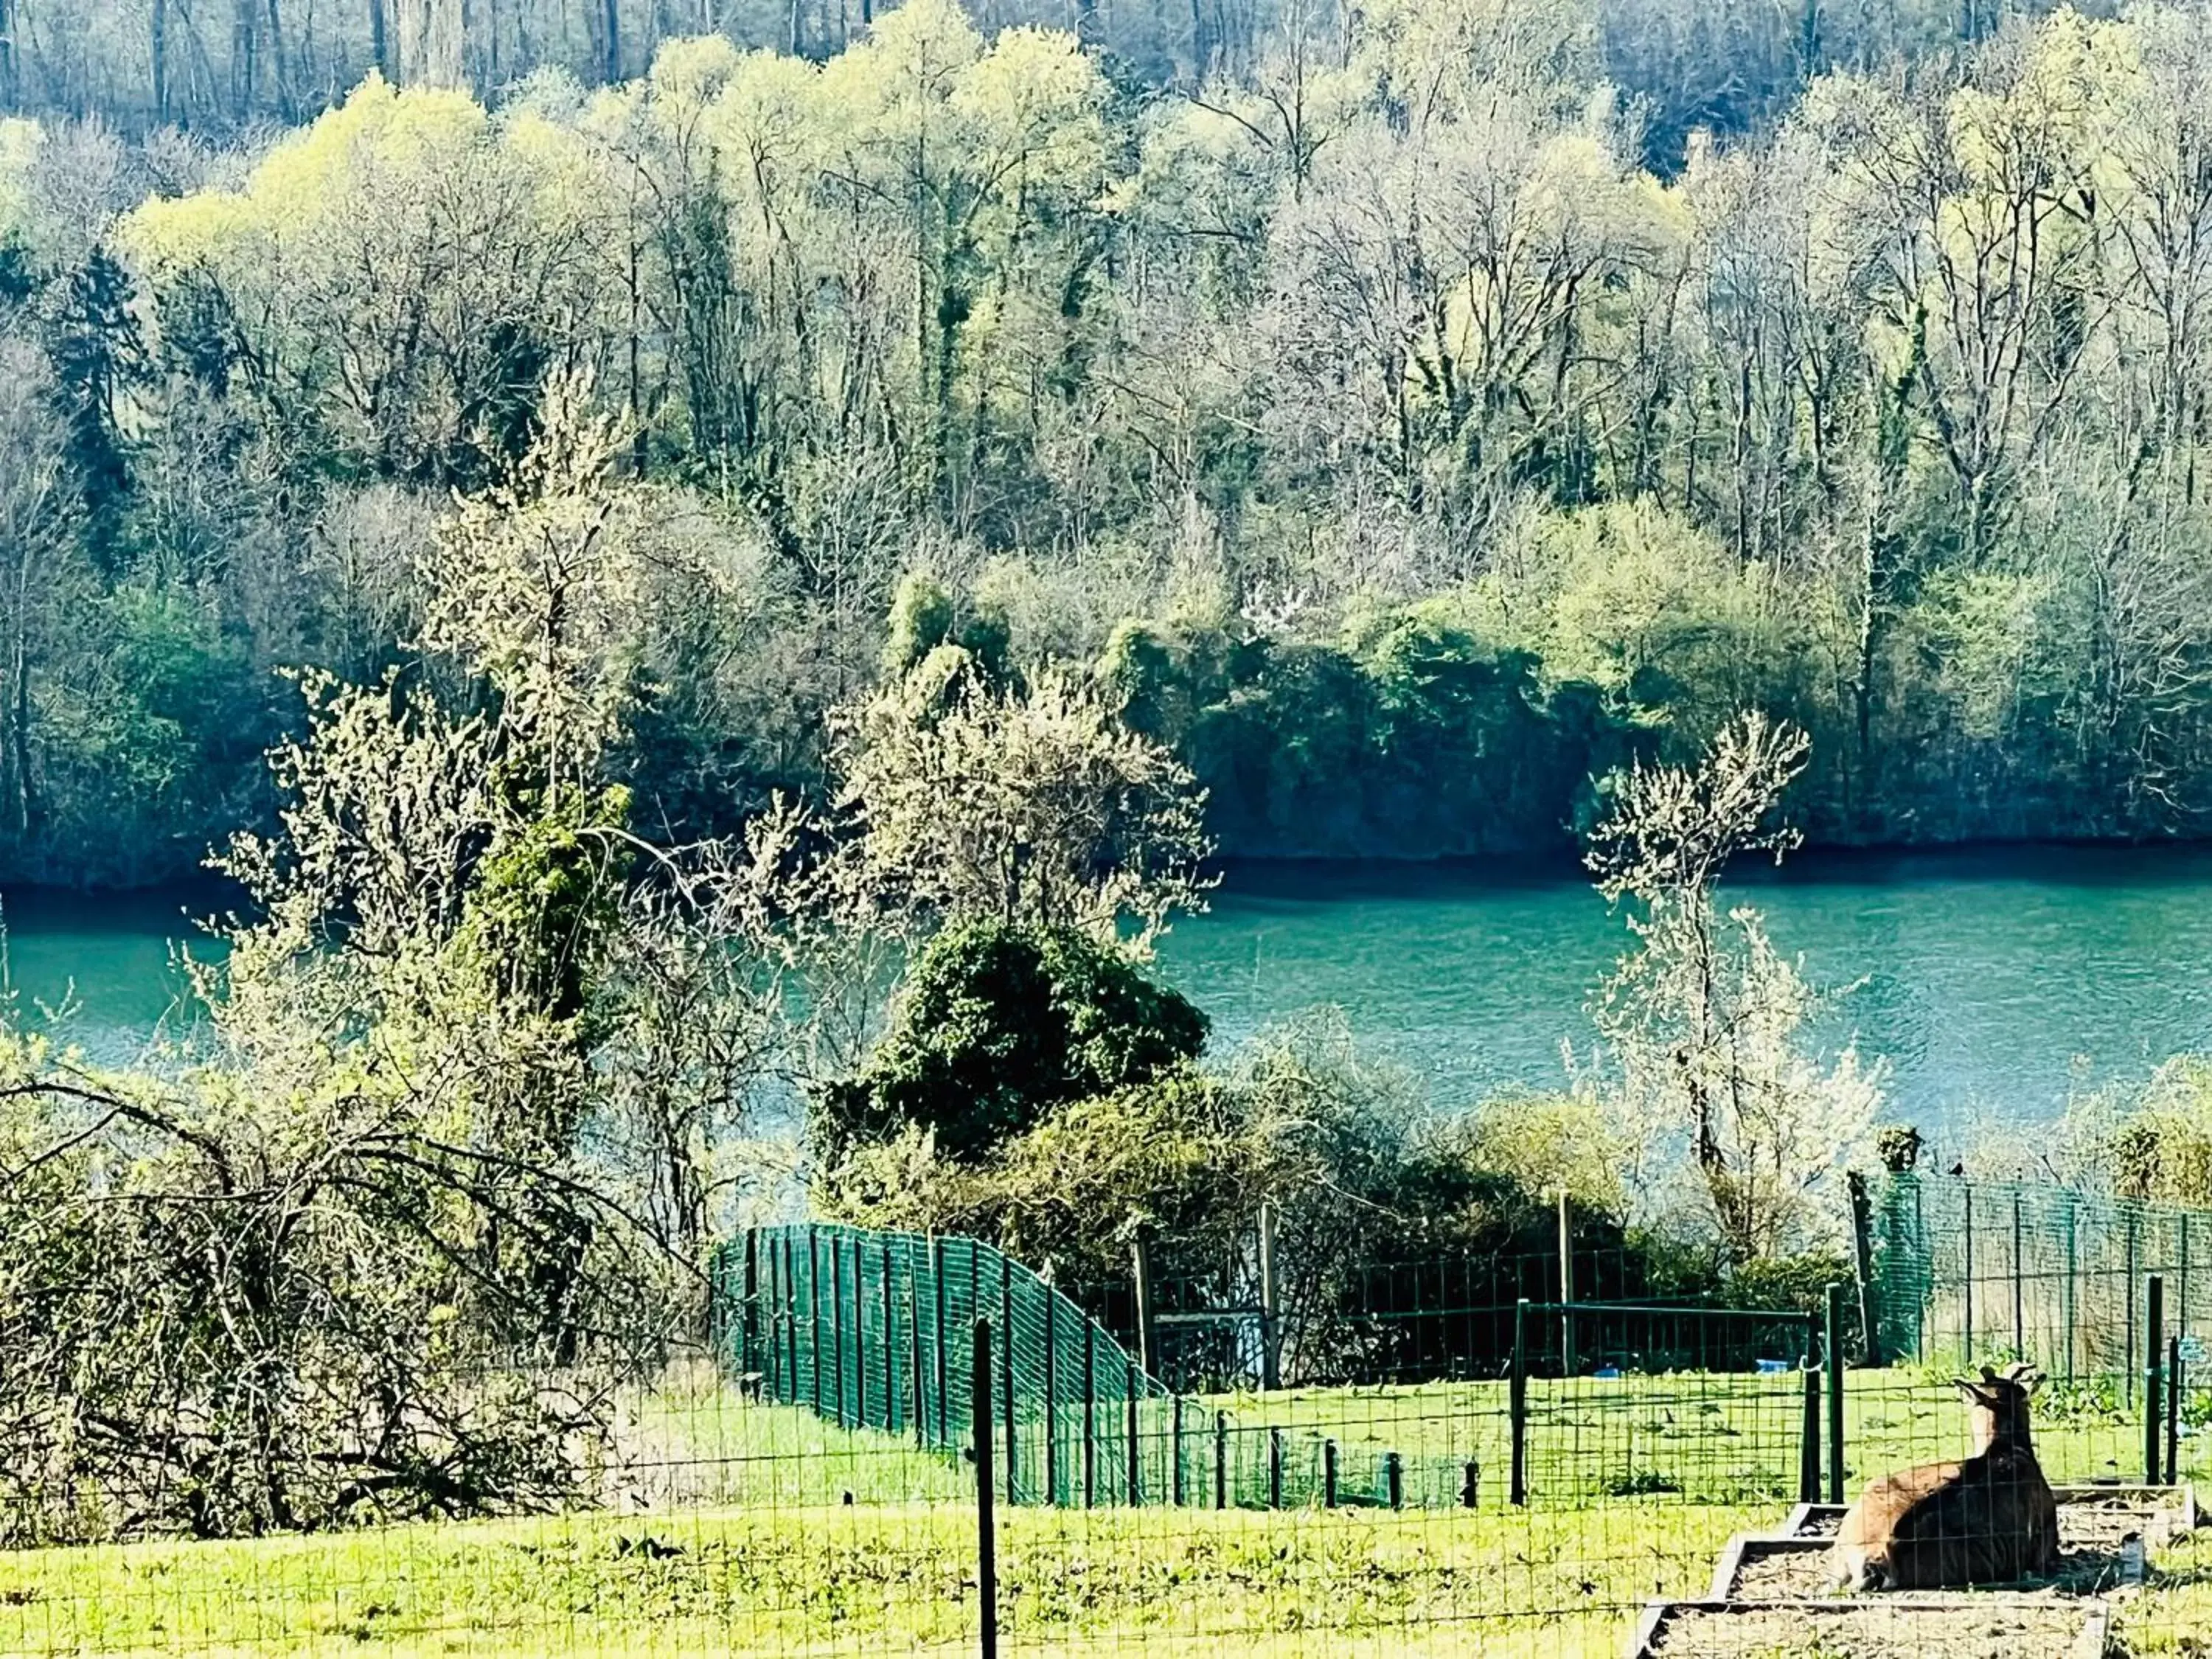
(1988, 1520)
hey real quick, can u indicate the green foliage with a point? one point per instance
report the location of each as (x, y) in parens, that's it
(1397, 521)
(921, 620)
(97, 354)
(995, 1026)
(1798, 1282)
(546, 897)
(2153, 1145)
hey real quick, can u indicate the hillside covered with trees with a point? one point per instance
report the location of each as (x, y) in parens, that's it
(1407, 413)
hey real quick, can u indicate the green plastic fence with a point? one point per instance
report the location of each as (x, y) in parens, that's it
(872, 1330)
(1964, 1271)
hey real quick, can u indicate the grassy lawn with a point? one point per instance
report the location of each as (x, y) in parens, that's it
(887, 1578)
(764, 1530)
(1714, 1438)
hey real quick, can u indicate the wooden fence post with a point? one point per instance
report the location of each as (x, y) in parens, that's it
(1862, 1263)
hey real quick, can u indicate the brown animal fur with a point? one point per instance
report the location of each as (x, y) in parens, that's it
(1990, 1519)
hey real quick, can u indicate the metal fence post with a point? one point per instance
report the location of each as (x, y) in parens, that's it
(2181, 1313)
(748, 1322)
(1271, 1326)
(1470, 1484)
(814, 1313)
(913, 1346)
(2153, 1353)
(1328, 1474)
(837, 1327)
(1809, 1459)
(941, 1342)
(1089, 1414)
(1136, 1464)
(2073, 1269)
(1516, 1398)
(1970, 1274)
(1051, 1396)
(2129, 1366)
(986, 1542)
(2174, 1409)
(1174, 1451)
(1835, 1358)
(2019, 1296)
(1006, 1367)
(1221, 1460)
(1393, 1480)
(791, 1318)
(1274, 1468)
(837, 1289)
(1566, 1285)
(890, 1344)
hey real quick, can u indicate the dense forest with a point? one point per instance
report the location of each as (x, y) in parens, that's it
(1410, 411)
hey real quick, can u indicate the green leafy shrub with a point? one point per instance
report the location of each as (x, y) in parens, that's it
(994, 1027)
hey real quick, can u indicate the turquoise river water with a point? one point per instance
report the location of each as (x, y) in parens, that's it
(1993, 980)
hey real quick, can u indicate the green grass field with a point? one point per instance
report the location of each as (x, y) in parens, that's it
(1714, 1438)
(747, 1543)
(881, 1578)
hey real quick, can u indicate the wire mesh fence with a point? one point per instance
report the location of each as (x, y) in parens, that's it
(1962, 1271)
(899, 1444)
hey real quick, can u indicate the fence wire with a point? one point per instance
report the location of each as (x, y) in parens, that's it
(835, 1473)
(1961, 1271)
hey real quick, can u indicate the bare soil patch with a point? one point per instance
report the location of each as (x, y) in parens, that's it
(2019, 1629)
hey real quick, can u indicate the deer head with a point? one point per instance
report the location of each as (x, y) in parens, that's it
(1996, 1405)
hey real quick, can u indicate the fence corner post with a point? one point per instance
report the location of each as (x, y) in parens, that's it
(1136, 1466)
(748, 1316)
